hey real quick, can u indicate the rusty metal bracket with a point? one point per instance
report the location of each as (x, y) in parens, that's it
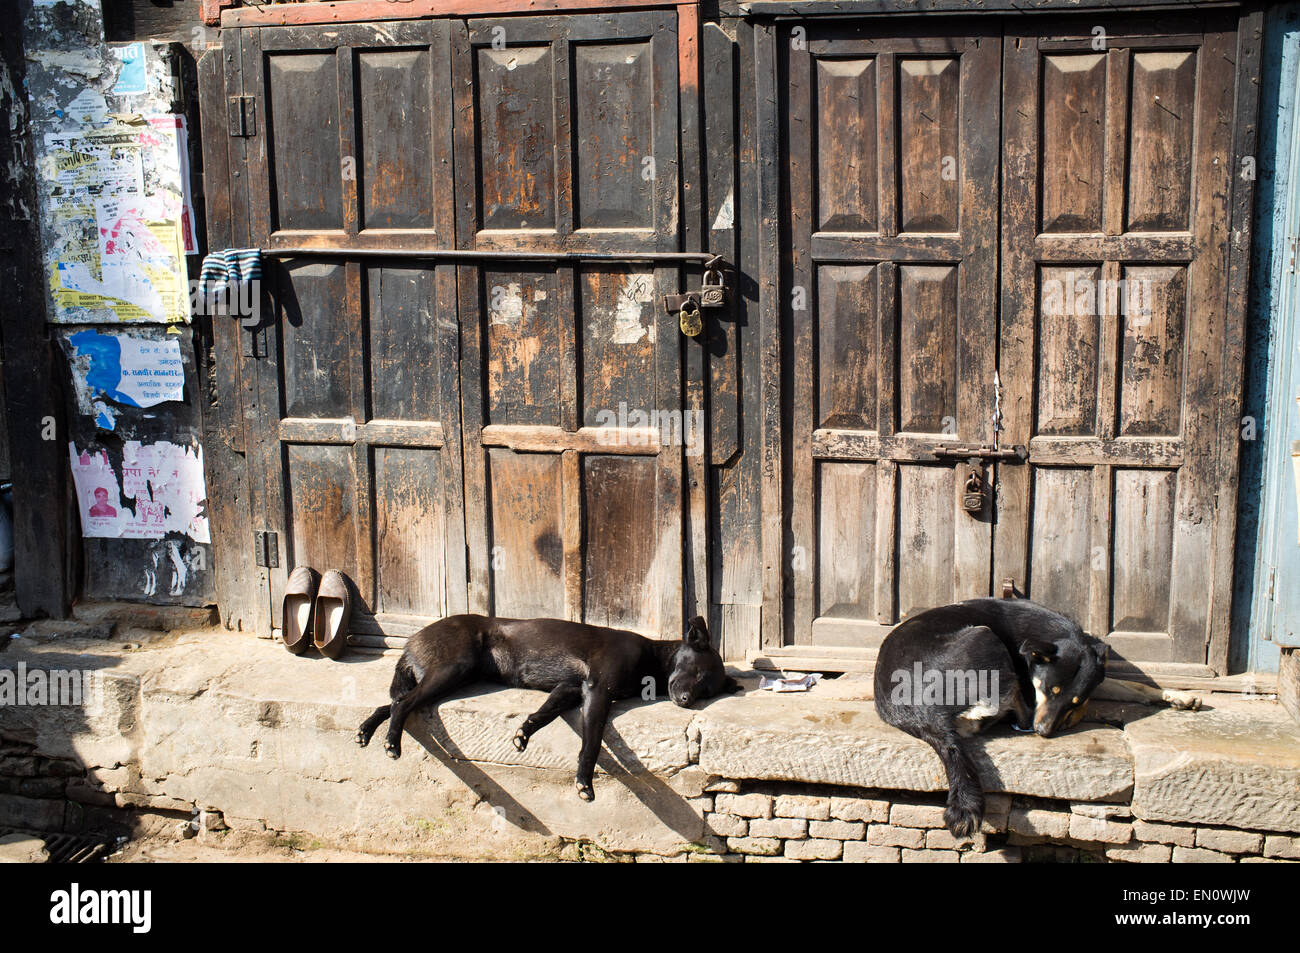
(978, 454)
(673, 304)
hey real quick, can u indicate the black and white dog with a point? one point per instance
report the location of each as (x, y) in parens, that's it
(578, 664)
(979, 661)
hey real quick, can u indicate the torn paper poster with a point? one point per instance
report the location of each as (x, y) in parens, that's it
(131, 81)
(161, 491)
(119, 212)
(105, 416)
(135, 371)
(634, 304)
(88, 106)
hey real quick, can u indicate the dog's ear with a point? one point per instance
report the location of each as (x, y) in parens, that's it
(697, 636)
(731, 686)
(1038, 650)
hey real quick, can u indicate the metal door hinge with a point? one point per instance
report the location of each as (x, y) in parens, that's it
(255, 342)
(241, 115)
(266, 549)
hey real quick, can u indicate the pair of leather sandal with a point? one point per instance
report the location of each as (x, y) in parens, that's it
(316, 611)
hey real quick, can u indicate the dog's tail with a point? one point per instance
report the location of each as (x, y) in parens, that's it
(965, 810)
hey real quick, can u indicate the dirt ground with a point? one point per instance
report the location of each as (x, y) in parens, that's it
(255, 850)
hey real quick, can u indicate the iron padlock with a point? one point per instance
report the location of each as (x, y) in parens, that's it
(972, 500)
(713, 292)
(690, 318)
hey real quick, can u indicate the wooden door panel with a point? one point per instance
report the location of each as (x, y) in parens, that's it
(617, 339)
(613, 95)
(524, 345)
(410, 507)
(848, 314)
(404, 328)
(929, 94)
(889, 322)
(927, 319)
(316, 328)
(398, 185)
(1162, 95)
(526, 533)
(847, 546)
(848, 194)
(627, 556)
(517, 137)
(1074, 110)
(570, 365)
(1068, 352)
(306, 182)
(1152, 345)
(321, 489)
(1113, 321)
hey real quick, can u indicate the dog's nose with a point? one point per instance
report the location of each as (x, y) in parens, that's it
(1044, 731)
(683, 700)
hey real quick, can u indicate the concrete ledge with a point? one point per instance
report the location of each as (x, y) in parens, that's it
(844, 742)
(1237, 765)
(233, 724)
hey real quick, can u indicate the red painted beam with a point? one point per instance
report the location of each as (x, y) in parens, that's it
(361, 11)
(210, 10)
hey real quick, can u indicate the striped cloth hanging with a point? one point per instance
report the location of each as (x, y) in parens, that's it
(231, 265)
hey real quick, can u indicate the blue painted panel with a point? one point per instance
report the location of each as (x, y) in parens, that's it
(1267, 591)
(1278, 608)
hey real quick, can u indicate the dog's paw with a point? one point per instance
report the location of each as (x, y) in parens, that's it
(1184, 701)
(521, 740)
(962, 821)
(362, 738)
(585, 792)
(393, 749)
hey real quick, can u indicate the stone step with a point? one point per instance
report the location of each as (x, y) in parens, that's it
(237, 724)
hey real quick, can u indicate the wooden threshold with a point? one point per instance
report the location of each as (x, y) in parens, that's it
(1174, 675)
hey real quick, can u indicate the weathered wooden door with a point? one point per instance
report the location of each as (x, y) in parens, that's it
(1118, 172)
(890, 320)
(566, 153)
(466, 394)
(356, 363)
(1100, 165)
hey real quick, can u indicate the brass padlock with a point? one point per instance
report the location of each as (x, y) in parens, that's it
(972, 500)
(690, 318)
(713, 292)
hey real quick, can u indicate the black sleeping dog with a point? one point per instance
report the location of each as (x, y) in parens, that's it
(992, 657)
(578, 664)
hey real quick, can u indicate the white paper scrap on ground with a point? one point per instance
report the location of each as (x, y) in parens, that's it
(163, 481)
(801, 684)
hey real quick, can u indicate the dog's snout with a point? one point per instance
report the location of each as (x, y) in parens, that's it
(1043, 730)
(684, 699)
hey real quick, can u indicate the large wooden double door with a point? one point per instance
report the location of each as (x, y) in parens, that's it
(1013, 237)
(466, 432)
